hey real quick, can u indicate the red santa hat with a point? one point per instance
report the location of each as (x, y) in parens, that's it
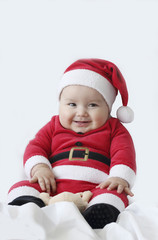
(105, 77)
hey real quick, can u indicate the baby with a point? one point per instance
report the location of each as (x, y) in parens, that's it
(84, 148)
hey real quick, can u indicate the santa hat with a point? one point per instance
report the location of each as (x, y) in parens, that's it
(105, 77)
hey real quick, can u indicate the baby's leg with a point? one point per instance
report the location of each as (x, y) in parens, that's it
(24, 192)
(104, 207)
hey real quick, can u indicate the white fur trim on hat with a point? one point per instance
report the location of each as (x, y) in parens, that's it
(90, 79)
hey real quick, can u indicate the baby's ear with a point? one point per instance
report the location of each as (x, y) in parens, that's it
(45, 197)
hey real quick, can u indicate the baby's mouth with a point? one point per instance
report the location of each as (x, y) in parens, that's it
(82, 123)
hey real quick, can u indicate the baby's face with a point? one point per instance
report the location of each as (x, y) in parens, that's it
(82, 109)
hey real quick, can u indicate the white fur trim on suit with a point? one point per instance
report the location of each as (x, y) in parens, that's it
(109, 199)
(79, 173)
(20, 191)
(124, 172)
(31, 162)
(90, 79)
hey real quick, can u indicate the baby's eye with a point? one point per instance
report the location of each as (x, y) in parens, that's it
(93, 105)
(72, 104)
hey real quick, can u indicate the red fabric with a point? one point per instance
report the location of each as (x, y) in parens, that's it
(73, 186)
(26, 183)
(106, 69)
(111, 140)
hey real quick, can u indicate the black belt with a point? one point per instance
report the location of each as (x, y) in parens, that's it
(81, 155)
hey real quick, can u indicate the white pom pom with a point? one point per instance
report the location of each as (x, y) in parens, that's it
(125, 114)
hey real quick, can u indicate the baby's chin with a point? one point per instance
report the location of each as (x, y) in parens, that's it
(81, 130)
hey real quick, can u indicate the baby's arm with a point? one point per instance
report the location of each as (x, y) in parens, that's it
(123, 166)
(116, 183)
(42, 174)
(36, 158)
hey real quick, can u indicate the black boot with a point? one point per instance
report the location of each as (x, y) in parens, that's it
(26, 199)
(100, 214)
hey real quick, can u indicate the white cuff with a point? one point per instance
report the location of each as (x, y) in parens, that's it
(31, 162)
(125, 172)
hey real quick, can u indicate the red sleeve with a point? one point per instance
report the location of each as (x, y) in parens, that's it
(39, 149)
(122, 151)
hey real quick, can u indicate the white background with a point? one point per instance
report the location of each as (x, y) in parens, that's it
(39, 39)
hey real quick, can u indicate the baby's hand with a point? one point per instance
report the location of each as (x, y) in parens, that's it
(42, 174)
(116, 183)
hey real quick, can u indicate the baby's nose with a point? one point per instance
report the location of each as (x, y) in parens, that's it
(82, 111)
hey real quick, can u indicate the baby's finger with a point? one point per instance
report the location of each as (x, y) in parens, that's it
(33, 179)
(128, 191)
(42, 184)
(120, 188)
(103, 185)
(99, 186)
(53, 185)
(47, 185)
(112, 186)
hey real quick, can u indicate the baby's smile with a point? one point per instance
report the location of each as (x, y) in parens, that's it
(81, 123)
(84, 111)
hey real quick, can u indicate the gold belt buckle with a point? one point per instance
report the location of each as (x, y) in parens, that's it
(79, 159)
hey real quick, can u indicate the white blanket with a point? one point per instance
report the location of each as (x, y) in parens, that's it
(63, 221)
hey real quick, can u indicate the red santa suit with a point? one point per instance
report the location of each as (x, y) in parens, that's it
(81, 161)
